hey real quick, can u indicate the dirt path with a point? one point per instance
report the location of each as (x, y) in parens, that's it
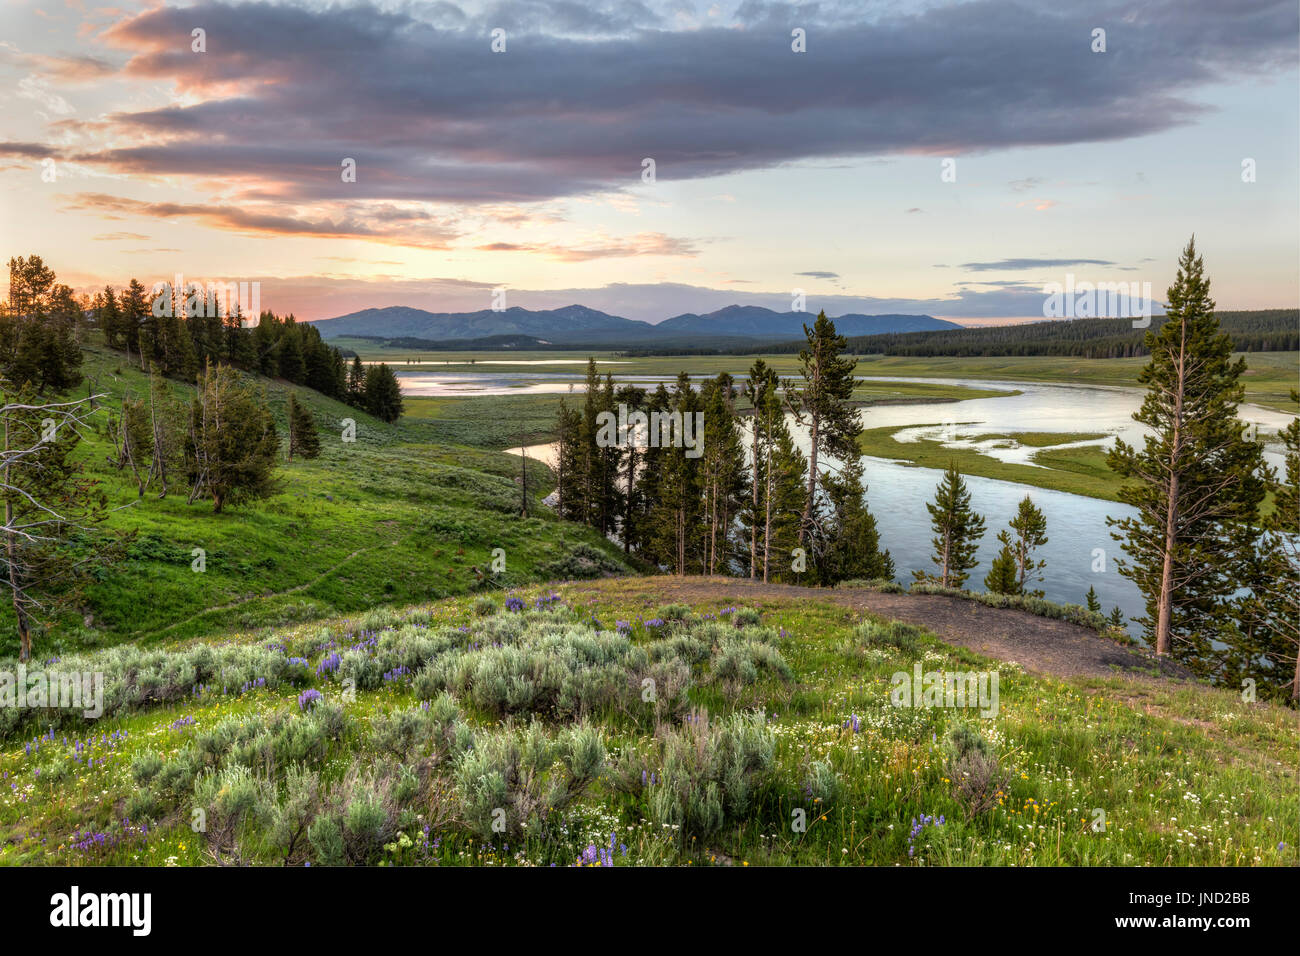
(261, 597)
(1039, 644)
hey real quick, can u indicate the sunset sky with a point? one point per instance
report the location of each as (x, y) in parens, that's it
(774, 169)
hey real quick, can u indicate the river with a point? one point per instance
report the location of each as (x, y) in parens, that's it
(1080, 552)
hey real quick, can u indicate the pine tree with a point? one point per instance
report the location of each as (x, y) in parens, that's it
(356, 383)
(822, 403)
(109, 319)
(168, 426)
(761, 381)
(383, 394)
(265, 339)
(239, 340)
(1002, 578)
(957, 531)
(291, 365)
(30, 285)
(567, 487)
(783, 500)
(1263, 642)
(853, 549)
(590, 460)
(134, 308)
(646, 537)
(609, 458)
(778, 474)
(1197, 480)
(723, 476)
(676, 520)
(1030, 527)
(1093, 602)
(233, 446)
(38, 332)
(1116, 618)
(633, 399)
(303, 437)
(133, 436)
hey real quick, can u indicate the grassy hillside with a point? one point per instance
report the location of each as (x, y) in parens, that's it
(405, 513)
(767, 737)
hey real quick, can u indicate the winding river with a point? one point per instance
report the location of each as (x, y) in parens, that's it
(1079, 541)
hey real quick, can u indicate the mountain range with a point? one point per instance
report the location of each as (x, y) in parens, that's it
(579, 325)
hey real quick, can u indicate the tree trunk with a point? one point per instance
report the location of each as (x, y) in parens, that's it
(627, 508)
(753, 526)
(1295, 683)
(806, 518)
(15, 578)
(767, 524)
(15, 589)
(1164, 602)
(713, 524)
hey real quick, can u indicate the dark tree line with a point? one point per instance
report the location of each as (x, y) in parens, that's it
(735, 495)
(195, 328)
(178, 333)
(1266, 330)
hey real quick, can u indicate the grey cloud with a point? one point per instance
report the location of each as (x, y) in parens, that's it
(581, 95)
(1012, 264)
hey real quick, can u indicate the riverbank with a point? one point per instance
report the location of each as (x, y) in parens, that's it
(1076, 470)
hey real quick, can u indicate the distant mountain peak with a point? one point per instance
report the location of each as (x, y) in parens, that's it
(577, 323)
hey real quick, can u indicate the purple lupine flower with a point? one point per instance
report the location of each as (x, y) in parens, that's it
(309, 699)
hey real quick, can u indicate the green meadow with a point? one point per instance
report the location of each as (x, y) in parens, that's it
(466, 731)
(406, 512)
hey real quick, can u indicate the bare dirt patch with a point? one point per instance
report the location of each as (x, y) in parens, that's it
(1039, 644)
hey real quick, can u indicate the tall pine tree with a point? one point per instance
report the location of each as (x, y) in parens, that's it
(1195, 483)
(303, 437)
(957, 531)
(822, 403)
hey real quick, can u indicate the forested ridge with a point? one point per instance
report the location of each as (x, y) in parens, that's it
(1265, 330)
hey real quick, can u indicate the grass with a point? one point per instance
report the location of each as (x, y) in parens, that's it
(407, 512)
(1079, 471)
(1183, 774)
(1040, 439)
(487, 421)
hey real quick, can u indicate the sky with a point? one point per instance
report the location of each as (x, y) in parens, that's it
(942, 158)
